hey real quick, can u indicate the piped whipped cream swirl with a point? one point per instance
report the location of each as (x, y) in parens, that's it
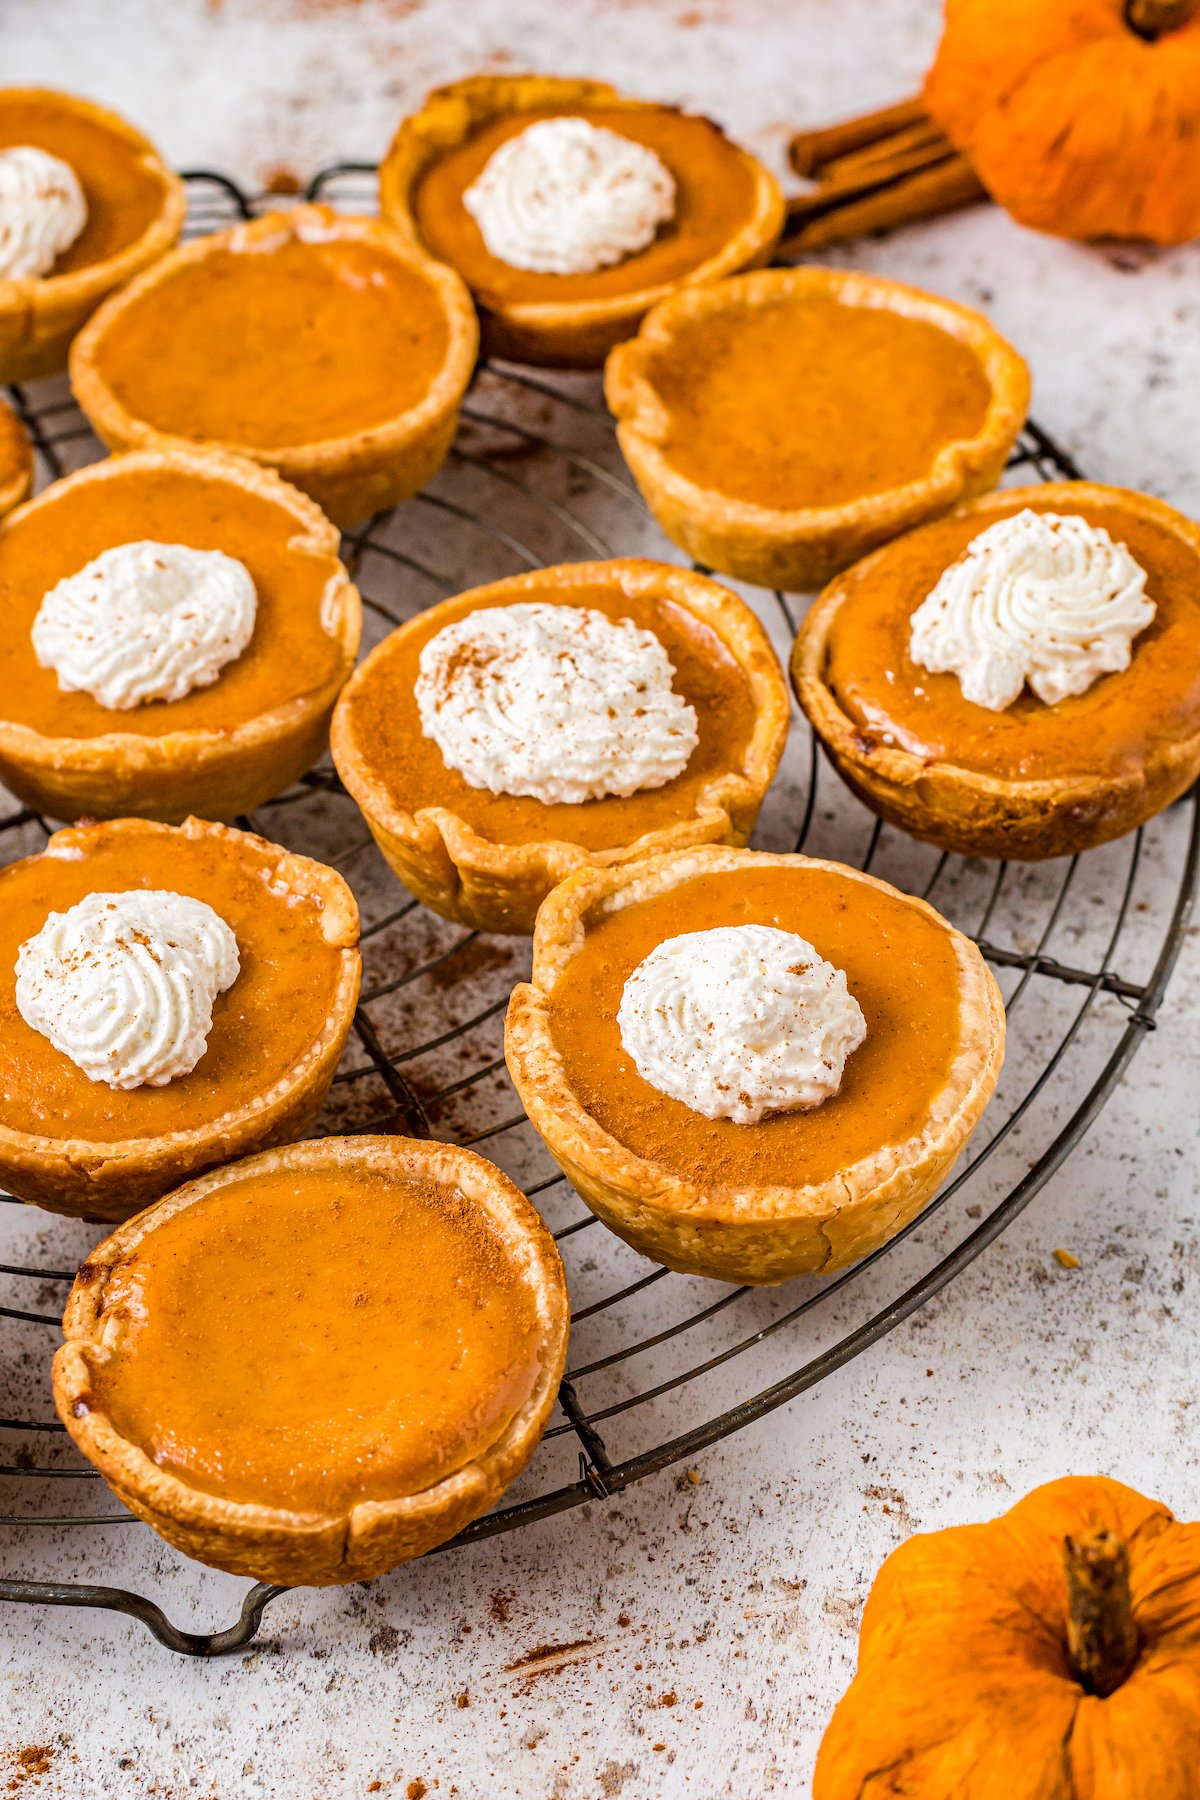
(740, 1021)
(124, 983)
(146, 621)
(558, 702)
(1040, 598)
(565, 197)
(42, 210)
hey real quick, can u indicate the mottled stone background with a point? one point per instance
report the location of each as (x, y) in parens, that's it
(691, 1635)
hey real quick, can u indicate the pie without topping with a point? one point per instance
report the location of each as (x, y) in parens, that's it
(135, 210)
(16, 460)
(313, 342)
(782, 423)
(1033, 780)
(75, 1145)
(728, 211)
(403, 1311)
(221, 749)
(798, 1191)
(489, 859)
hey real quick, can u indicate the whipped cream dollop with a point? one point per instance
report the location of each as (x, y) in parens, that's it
(565, 197)
(146, 621)
(1043, 598)
(740, 1021)
(558, 702)
(124, 983)
(42, 210)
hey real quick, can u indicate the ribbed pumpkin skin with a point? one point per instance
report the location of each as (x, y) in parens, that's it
(963, 1690)
(1074, 123)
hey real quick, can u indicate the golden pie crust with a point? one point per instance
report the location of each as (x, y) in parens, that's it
(562, 333)
(97, 1178)
(357, 472)
(798, 548)
(16, 460)
(40, 314)
(278, 1543)
(757, 1233)
(224, 766)
(1028, 814)
(494, 885)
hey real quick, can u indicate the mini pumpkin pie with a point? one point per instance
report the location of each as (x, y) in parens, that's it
(783, 423)
(570, 209)
(576, 715)
(85, 203)
(752, 1066)
(1021, 679)
(170, 997)
(318, 344)
(16, 460)
(176, 628)
(319, 1362)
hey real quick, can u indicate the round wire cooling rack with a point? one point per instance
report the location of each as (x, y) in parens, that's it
(661, 1364)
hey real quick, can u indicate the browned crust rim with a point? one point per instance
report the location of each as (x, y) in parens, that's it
(727, 803)
(49, 304)
(74, 1163)
(456, 112)
(640, 1197)
(188, 752)
(320, 457)
(17, 486)
(643, 418)
(966, 809)
(372, 1535)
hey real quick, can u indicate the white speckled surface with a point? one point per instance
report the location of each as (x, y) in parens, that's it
(712, 1623)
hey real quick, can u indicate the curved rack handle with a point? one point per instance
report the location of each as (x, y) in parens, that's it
(111, 1599)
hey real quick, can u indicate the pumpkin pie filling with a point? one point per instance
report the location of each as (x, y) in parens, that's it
(900, 966)
(124, 197)
(263, 1025)
(807, 402)
(291, 653)
(273, 344)
(715, 196)
(376, 1386)
(1106, 731)
(411, 769)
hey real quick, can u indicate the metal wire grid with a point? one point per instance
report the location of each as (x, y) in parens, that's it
(688, 1333)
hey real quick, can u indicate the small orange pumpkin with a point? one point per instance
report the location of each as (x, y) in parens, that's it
(1082, 117)
(1051, 1655)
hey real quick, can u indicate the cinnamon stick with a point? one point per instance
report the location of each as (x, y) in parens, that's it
(925, 137)
(922, 195)
(808, 150)
(882, 173)
(1103, 1640)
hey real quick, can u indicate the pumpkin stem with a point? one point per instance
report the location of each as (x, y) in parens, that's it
(1151, 18)
(1103, 1640)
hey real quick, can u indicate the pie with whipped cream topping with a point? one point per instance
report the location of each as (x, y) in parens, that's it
(740, 1021)
(570, 209)
(124, 983)
(752, 1066)
(86, 203)
(314, 342)
(42, 211)
(382, 1414)
(583, 714)
(783, 423)
(177, 626)
(1021, 679)
(170, 997)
